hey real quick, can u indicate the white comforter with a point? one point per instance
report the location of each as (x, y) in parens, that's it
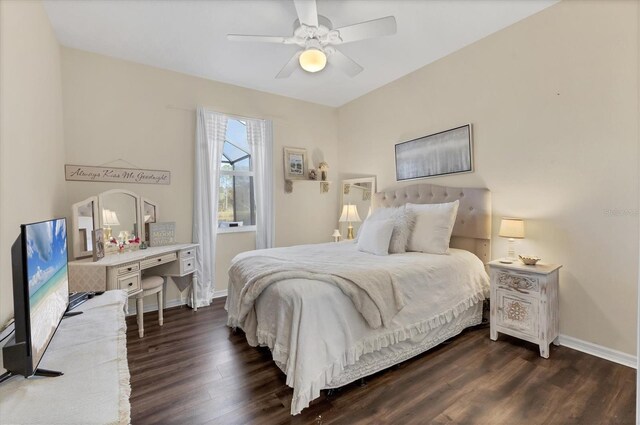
(313, 329)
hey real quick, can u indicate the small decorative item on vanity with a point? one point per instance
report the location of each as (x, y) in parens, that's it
(336, 235)
(323, 167)
(512, 228)
(529, 260)
(350, 215)
(98, 244)
(109, 218)
(161, 234)
(313, 174)
(524, 302)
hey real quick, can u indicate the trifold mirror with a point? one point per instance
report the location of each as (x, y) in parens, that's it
(355, 205)
(118, 212)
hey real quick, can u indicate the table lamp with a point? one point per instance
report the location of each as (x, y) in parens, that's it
(109, 218)
(336, 235)
(350, 215)
(512, 228)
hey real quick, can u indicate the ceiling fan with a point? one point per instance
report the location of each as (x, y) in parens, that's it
(315, 34)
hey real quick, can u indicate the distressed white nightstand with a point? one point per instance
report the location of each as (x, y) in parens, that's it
(524, 302)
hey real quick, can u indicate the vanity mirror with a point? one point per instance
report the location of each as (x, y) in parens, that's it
(120, 213)
(357, 194)
(83, 222)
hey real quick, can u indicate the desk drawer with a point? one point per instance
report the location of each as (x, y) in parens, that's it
(128, 268)
(187, 265)
(161, 259)
(191, 252)
(130, 282)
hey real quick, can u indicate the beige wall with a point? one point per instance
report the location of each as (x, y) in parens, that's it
(114, 109)
(31, 137)
(554, 104)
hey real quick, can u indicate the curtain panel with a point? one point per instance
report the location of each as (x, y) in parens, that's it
(211, 128)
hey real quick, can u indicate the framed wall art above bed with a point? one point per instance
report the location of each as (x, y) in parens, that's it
(446, 152)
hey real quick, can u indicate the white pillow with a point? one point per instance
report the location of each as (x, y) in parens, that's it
(434, 224)
(403, 221)
(375, 237)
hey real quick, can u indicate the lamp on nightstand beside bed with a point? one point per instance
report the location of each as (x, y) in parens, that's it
(512, 228)
(350, 215)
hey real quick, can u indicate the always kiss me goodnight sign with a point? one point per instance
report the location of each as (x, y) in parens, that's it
(86, 173)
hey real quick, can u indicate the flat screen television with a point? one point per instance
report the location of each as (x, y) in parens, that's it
(40, 294)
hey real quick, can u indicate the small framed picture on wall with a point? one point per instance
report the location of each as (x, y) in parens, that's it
(295, 164)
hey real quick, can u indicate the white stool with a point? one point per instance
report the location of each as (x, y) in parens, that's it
(150, 285)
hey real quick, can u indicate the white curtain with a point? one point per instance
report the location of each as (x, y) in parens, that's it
(260, 138)
(211, 129)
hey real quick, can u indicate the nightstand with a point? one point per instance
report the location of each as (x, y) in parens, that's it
(524, 302)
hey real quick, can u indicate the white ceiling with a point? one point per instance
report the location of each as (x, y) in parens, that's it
(189, 37)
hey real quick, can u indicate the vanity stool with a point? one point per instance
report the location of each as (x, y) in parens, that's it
(150, 285)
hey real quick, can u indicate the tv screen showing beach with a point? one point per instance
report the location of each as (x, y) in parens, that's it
(46, 247)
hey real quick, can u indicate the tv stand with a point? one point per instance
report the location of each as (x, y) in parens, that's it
(48, 373)
(92, 351)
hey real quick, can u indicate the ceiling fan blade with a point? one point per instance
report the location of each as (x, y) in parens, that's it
(368, 29)
(307, 12)
(345, 63)
(259, 38)
(291, 66)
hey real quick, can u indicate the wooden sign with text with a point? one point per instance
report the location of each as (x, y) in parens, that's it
(87, 173)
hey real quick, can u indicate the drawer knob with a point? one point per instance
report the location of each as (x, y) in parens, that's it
(188, 264)
(129, 268)
(159, 259)
(130, 283)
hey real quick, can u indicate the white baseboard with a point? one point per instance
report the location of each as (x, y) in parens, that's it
(169, 303)
(220, 294)
(599, 351)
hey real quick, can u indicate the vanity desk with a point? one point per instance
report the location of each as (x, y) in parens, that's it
(124, 270)
(123, 215)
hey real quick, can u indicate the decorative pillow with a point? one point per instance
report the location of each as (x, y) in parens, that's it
(403, 221)
(433, 227)
(375, 237)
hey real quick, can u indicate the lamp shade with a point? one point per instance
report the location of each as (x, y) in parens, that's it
(336, 234)
(512, 228)
(109, 218)
(313, 60)
(350, 214)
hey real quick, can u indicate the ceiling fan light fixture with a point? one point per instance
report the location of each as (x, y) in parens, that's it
(313, 60)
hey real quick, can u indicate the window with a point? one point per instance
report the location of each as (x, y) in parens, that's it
(236, 199)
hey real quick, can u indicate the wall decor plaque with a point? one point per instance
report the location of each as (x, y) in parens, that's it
(161, 234)
(89, 173)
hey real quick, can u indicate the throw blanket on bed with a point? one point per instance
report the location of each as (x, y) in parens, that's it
(372, 287)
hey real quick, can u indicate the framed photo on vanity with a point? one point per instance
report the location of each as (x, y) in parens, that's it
(98, 244)
(295, 164)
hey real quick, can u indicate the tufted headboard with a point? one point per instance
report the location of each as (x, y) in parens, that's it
(472, 229)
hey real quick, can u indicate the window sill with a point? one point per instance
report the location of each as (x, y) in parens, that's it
(240, 229)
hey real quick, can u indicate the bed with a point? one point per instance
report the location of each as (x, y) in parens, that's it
(324, 336)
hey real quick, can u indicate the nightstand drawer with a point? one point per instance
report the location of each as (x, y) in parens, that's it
(521, 282)
(517, 312)
(129, 282)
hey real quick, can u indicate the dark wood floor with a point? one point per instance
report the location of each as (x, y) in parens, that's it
(193, 370)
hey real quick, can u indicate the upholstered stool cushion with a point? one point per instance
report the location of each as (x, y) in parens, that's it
(152, 282)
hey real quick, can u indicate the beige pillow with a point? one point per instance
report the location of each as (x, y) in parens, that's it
(433, 227)
(375, 237)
